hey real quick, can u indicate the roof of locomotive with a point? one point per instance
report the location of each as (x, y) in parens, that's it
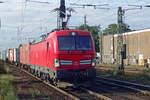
(60, 32)
(67, 32)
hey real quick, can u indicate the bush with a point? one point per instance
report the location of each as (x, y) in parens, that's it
(6, 89)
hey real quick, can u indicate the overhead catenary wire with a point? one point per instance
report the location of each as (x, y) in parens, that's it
(98, 20)
(24, 5)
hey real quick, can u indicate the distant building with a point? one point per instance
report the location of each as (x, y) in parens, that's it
(137, 47)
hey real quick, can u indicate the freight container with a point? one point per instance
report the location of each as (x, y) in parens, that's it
(15, 55)
(7, 55)
(25, 54)
(0, 55)
(3, 55)
(11, 55)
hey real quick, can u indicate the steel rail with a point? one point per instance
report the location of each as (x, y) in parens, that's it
(146, 87)
(96, 94)
(145, 92)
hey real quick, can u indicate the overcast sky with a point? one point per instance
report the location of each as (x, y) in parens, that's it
(22, 21)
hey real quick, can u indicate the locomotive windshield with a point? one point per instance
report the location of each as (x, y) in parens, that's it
(74, 43)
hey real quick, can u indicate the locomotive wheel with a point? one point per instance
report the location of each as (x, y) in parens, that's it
(29, 70)
(55, 82)
(47, 78)
(42, 76)
(38, 74)
(21, 66)
(32, 71)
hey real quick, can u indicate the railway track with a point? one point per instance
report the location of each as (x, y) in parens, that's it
(64, 95)
(101, 89)
(119, 90)
(86, 94)
(125, 83)
(72, 93)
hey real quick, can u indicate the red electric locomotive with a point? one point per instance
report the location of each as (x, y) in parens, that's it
(64, 55)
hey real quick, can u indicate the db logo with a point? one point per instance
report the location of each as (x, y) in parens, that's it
(75, 63)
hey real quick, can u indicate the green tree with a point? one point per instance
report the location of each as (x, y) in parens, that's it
(94, 30)
(112, 29)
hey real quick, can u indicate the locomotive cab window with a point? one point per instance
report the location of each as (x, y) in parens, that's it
(74, 43)
(66, 43)
(83, 43)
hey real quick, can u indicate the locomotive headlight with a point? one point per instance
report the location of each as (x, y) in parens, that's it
(57, 63)
(93, 63)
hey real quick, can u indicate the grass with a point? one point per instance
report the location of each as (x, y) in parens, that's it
(4, 68)
(35, 92)
(28, 83)
(143, 78)
(6, 89)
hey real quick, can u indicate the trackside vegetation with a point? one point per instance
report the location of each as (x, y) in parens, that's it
(4, 69)
(6, 89)
(143, 78)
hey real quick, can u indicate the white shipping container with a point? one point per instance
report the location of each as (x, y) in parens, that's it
(7, 54)
(15, 55)
(0, 55)
(3, 55)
